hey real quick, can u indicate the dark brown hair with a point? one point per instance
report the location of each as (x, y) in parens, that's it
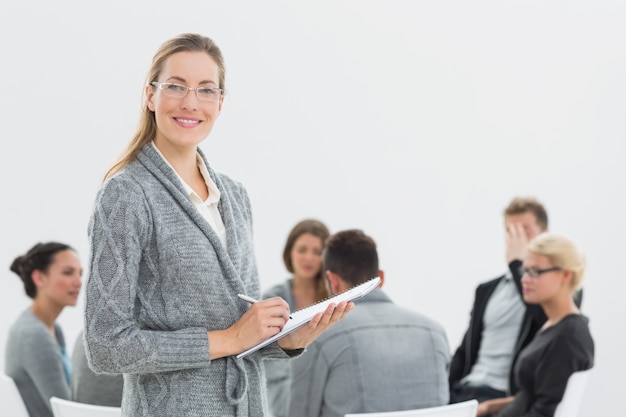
(39, 257)
(352, 255)
(315, 228)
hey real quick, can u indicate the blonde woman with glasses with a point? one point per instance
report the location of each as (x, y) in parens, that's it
(171, 247)
(553, 271)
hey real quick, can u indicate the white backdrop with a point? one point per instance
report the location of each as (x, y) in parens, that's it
(416, 121)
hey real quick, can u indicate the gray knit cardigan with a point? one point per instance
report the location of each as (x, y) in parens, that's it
(159, 279)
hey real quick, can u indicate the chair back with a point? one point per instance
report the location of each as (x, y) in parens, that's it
(573, 395)
(462, 409)
(66, 408)
(10, 398)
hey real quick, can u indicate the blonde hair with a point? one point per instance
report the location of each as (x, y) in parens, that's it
(561, 252)
(146, 131)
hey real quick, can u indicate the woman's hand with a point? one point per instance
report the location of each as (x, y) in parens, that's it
(516, 242)
(483, 409)
(262, 320)
(490, 407)
(321, 322)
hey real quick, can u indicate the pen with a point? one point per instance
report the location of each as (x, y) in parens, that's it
(251, 300)
(246, 298)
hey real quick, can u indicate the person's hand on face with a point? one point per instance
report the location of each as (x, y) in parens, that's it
(516, 242)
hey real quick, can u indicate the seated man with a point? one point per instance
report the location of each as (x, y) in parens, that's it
(501, 324)
(380, 357)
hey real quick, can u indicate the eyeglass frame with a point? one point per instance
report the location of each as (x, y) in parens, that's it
(538, 272)
(187, 89)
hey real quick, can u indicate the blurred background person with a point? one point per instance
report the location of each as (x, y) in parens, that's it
(553, 270)
(36, 356)
(380, 357)
(501, 323)
(89, 387)
(302, 256)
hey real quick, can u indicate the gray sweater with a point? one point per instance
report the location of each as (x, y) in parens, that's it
(91, 388)
(33, 359)
(159, 279)
(380, 357)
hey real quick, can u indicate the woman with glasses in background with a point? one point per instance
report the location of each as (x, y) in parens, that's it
(553, 272)
(172, 246)
(36, 356)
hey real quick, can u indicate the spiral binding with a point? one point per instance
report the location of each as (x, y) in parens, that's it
(333, 296)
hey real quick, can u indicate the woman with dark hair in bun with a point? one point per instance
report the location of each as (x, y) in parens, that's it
(36, 358)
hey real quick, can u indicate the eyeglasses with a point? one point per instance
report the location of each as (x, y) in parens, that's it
(534, 272)
(180, 91)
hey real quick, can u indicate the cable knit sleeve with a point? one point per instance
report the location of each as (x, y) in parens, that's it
(119, 233)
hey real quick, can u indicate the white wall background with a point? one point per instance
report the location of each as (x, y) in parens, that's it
(416, 121)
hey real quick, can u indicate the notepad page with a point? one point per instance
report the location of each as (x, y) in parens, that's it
(301, 317)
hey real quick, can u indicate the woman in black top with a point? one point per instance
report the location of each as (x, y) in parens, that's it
(553, 272)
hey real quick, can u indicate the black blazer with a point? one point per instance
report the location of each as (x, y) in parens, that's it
(534, 317)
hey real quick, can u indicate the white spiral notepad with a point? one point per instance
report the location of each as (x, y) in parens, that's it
(301, 317)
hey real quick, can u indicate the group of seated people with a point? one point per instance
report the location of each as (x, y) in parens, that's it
(526, 333)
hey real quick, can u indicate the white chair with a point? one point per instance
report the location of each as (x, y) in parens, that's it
(463, 409)
(573, 395)
(66, 408)
(10, 398)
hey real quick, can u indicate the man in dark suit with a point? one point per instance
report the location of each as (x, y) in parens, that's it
(501, 324)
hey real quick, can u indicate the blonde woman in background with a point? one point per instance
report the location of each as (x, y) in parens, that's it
(302, 256)
(553, 270)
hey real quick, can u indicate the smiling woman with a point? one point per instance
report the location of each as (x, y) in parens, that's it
(36, 355)
(172, 247)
